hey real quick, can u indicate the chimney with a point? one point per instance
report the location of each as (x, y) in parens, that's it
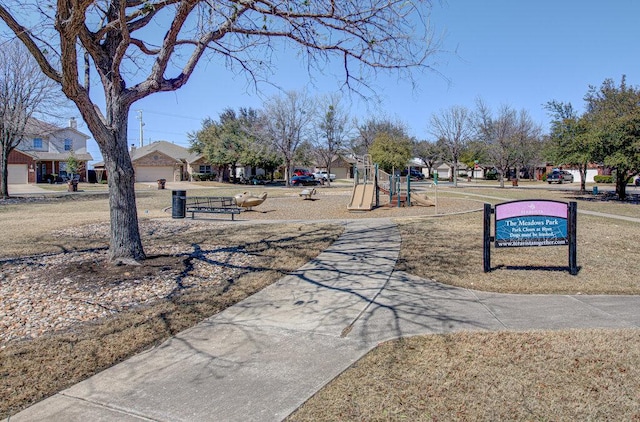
(72, 123)
(133, 148)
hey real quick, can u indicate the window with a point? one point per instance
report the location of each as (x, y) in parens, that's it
(68, 144)
(37, 143)
(205, 169)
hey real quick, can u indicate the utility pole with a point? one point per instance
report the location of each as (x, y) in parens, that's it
(141, 125)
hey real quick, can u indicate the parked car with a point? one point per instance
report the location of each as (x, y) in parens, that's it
(304, 181)
(323, 175)
(559, 176)
(414, 174)
(301, 172)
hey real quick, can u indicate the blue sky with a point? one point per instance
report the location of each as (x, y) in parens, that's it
(520, 53)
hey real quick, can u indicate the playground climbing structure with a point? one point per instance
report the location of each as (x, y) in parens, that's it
(365, 195)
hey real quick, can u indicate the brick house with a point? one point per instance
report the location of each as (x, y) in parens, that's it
(163, 160)
(43, 153)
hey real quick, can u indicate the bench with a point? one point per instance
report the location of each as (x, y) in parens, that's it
(212, 204)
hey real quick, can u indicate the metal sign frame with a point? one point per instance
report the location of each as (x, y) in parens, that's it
(527, 223)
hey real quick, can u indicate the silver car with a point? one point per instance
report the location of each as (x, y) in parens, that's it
(559, 176)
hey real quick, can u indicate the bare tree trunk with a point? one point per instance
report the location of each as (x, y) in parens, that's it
(455, 174)
(125, 243)
(621, 184)
(583, 178)
(287, 172)
(4, 169)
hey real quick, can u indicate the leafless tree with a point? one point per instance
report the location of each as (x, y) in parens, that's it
(138, 48)
(24, 92)
(453, 128)
(530, 145)
(287, 120)
(332, 131)
(503, 136)
(498, 135)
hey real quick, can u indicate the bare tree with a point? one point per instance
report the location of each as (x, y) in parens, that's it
(499, 134)
(530, 144)
(24, 91)
(332, 131)
(453, 128)
(138, 48)
(160, 42)
(286, 122)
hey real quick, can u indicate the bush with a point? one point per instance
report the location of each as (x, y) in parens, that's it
(603, 179)
(203, 177)
(544, 177)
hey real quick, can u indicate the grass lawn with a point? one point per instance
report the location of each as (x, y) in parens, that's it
(567, 375)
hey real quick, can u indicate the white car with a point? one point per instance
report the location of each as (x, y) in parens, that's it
(323, 175)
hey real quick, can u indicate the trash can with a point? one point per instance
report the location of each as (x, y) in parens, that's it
(514, 182)
(161, 183)
(595, 190)
(178, 203)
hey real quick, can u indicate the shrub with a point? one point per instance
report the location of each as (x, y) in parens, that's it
(203, 177)
(603, 179)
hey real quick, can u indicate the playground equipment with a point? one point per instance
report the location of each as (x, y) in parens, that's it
(369, 181)
(365, 193)
(248, 200)
(307, 193)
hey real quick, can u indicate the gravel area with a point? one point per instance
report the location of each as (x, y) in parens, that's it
(43, 294)
(47, 293)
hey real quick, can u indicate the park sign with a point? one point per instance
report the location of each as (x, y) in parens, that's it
(531, 223)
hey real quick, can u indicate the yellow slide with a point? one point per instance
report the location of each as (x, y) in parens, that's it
(363, 198)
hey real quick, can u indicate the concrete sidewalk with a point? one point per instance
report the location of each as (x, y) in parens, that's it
(262, 358)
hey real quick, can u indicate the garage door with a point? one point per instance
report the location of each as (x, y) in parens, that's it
(17, 174)
(153, 173)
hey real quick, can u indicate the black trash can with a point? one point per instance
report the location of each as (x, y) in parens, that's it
(179, 203)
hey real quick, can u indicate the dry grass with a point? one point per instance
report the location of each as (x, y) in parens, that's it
(567, 375)
(603, 202)
(560, 376)
(570, 375)
(449, 250)
(32, 370)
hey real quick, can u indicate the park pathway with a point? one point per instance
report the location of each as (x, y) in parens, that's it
(262, 358)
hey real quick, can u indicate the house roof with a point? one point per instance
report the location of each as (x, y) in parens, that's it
(37, 127)
(57, 156)
(174, 151)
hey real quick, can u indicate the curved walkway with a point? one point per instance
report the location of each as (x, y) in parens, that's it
(262, 358)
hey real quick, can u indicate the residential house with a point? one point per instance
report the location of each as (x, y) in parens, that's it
(593, 169)
(445, 170)
(164, 160)
(341, 166)
(42, 154)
